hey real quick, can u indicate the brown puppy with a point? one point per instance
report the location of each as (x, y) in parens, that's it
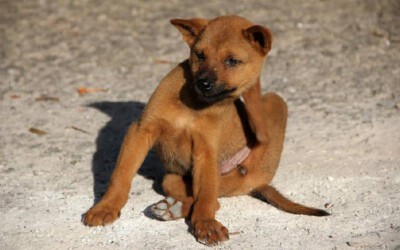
(201, 129)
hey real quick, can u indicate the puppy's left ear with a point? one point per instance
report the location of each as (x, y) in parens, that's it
(190, 28)
(260, 37)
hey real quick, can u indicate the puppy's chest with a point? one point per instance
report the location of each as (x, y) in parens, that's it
(175, 144)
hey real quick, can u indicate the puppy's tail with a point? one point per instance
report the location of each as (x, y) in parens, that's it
(272, 196)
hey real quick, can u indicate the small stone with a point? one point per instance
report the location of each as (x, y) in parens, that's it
(102, 18)
(9, 170)
(358, 244)
(292, 90)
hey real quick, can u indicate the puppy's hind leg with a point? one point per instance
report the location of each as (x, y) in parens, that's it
(268, 115)
(179, 200)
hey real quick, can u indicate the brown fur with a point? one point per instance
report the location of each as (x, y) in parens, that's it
(193, 137)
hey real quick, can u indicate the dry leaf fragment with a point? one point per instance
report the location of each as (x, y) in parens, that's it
(37, 131)
(83, 90)
(15, 96)
(45, 98)
(379, 32)
(80, 130)
(162, 61)
(234, 233)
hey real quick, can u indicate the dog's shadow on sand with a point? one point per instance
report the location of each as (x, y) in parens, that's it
(109, 141)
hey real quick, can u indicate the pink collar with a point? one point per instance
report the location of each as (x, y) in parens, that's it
(232, 163)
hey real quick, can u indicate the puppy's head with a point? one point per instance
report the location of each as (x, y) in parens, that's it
(226, 54)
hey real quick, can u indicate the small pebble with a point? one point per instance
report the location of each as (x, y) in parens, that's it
(358, 244)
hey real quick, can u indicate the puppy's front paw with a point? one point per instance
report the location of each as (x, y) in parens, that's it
(210, 232)
(100, 216)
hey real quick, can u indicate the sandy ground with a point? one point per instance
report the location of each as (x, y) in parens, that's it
(336, 63)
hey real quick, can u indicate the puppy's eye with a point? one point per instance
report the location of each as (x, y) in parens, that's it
(200, 56)
(232, 62)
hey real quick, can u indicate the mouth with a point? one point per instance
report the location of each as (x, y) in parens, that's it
(214, 97)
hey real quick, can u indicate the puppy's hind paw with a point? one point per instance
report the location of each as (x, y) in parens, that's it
(168, 209)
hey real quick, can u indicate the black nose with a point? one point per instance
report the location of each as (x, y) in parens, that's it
(204, 84)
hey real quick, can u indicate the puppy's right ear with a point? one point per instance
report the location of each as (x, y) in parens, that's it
(259, 37)
(190, 28)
